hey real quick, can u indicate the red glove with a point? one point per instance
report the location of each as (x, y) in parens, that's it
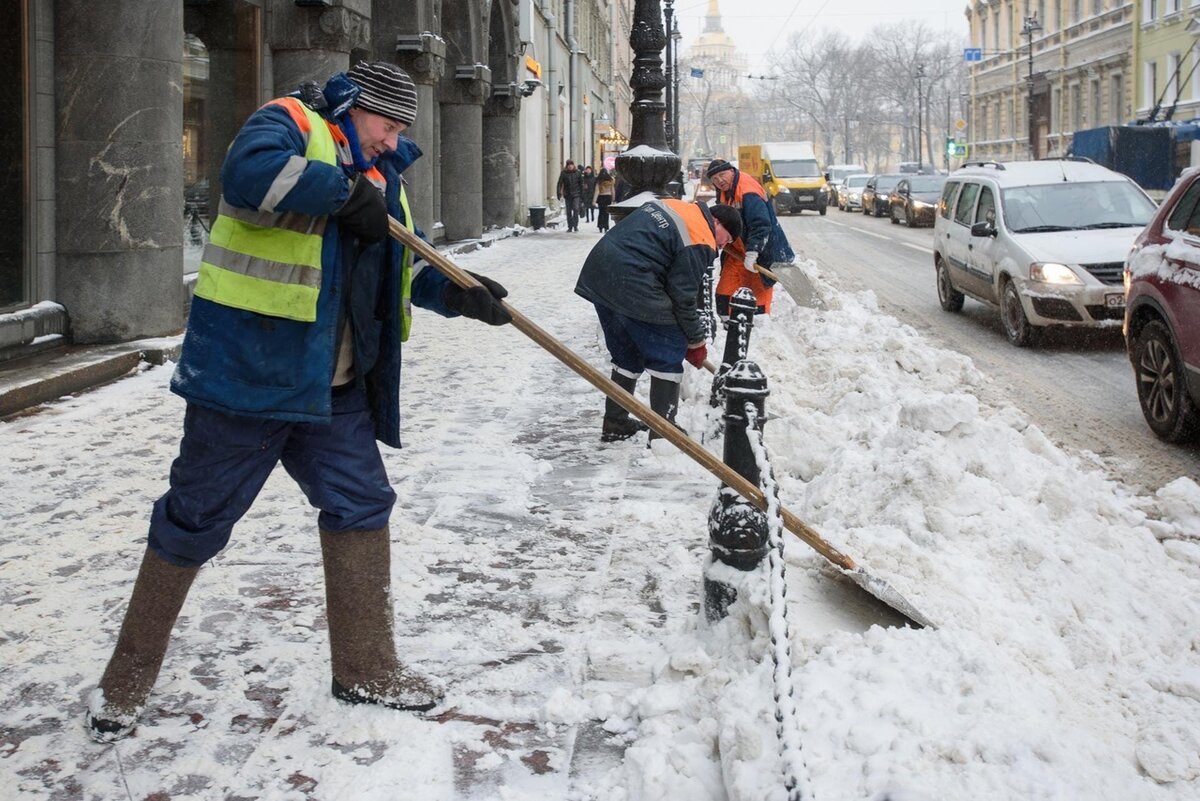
(696, 355)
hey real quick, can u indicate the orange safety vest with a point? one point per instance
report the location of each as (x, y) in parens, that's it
(734, 274)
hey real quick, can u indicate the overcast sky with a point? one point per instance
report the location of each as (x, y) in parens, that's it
(758, 25)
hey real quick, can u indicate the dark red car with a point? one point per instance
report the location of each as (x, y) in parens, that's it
(1162, 313)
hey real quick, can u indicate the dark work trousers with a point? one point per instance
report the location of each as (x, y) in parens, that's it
(637, 347)
(224, 460)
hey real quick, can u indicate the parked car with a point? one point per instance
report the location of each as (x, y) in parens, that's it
(875, 193)
(835, 174)
(850, 191)
(1162, 314)
(915, 199)
(1044, 241)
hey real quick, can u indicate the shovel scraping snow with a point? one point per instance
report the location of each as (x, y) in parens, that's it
(872, 584)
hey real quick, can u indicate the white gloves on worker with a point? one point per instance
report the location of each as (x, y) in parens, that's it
(751, 258)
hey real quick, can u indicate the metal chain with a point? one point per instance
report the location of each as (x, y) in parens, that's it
(787, 725)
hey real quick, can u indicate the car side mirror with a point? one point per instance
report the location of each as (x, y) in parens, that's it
(983, 229)
(826, 176)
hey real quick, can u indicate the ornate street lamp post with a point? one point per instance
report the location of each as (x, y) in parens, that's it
(648, 165)
(669, 71)
(1028, 29)
(673, 109)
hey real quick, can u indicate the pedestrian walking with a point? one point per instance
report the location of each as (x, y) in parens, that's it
(292, 355)
(645, 282)
(570, 191)
(762, 244)
(605, 186)
(589, 192)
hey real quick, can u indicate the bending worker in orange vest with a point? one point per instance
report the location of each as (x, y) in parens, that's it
(762, 243)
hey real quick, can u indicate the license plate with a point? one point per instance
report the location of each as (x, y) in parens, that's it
(1114, 300)
(804, 197)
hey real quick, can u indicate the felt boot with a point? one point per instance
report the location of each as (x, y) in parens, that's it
(158, 594)
(664, 399)
(361, 642)
(618, 424)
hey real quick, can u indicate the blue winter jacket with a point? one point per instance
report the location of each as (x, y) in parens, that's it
(244, 363)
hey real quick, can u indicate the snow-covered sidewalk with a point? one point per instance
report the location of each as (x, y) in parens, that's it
(555, 584)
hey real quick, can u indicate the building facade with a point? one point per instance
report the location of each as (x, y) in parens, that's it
(1079, 74)
(123, 111)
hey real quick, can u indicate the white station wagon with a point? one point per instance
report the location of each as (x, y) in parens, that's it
(1044, 241)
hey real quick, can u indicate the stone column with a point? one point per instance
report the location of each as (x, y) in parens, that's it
(424, 57)
(500, 160)
(310, 43)
(118, 69)
(462, 151)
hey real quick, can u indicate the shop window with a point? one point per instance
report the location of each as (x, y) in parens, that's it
(14, 157)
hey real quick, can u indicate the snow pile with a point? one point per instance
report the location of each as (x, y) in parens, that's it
(1065, 660)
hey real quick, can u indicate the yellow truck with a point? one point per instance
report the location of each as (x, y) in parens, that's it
(789, 174)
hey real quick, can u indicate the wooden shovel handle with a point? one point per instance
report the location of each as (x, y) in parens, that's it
(627, 401)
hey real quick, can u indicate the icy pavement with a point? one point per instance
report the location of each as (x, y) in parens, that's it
(555, 582)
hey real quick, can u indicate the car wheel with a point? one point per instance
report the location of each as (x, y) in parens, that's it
(908, 218)
(823, 210)
(892, 215)
(1012, 314)
(950, 298)
(1162, 385)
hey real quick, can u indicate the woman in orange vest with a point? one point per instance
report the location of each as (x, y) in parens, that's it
(762, 243)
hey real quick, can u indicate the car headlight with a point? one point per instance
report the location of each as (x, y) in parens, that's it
(785, 191)
(1053, 273)
(917, 204)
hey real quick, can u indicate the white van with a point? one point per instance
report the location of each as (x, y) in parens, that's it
(1044, 241)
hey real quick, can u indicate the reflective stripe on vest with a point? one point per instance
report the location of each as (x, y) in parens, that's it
(268, 262)
(406, 260)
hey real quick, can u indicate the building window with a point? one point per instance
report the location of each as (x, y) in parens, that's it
(15, 156)
(1057, 15)
(1097, 7)
(1149, 10)
(996, 121)
(1116, 99)
(1076, 10)
(1095, 100)
(1172, 93)
(1173, 6)
(1055, 110)
(1076, 107)
(996, 30)
(1150, 83)
(983, 30)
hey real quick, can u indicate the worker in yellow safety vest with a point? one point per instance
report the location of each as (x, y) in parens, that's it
(292, 355)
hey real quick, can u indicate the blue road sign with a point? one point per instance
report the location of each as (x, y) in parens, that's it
(972, 54)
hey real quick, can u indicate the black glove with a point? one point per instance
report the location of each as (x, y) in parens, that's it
(478, 302)
(364, 213)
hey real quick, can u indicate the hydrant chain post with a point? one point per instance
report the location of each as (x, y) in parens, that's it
(738, 533)
(737, 339)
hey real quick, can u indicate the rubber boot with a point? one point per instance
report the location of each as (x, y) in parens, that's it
(664, 399)
(618, 424)
(361, 642)
(158, 594)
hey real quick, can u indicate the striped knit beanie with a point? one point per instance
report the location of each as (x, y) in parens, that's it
(386, 90)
